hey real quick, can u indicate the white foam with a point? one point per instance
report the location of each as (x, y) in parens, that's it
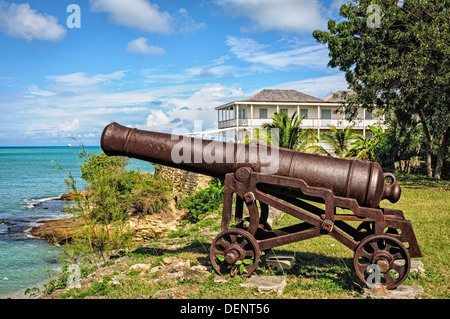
(33, 202)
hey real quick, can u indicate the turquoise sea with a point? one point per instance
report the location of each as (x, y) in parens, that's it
(30, 184)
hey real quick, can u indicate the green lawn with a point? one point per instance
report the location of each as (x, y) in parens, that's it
(329, 263)
(323, 269)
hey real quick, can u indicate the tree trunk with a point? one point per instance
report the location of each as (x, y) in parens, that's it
(440, 155)
(429, 148)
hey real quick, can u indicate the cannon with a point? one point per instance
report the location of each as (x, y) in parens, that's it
(329, 196)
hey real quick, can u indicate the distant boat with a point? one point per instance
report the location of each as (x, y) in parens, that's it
(70, 145)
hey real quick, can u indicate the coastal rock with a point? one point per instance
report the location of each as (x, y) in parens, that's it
(71, 195)
(57, 231)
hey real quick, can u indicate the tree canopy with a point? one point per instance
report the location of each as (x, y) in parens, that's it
(396, 58)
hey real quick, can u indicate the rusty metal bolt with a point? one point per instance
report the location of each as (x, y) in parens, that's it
(327, 225)
(249, 197)
(243, 174)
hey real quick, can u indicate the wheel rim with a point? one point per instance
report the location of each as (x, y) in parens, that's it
(234, 251)
(383, 260)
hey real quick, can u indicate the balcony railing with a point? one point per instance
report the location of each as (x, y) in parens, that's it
(306, 123)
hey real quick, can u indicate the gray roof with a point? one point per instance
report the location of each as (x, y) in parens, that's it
(275, 95)
(338, 97)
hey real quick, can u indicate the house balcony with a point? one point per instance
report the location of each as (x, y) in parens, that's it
(321, 124)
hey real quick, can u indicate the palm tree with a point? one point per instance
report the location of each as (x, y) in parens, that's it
(364, 147)
(287, 132)
(339, 139)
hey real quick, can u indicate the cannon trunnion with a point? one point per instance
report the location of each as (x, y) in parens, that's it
(328, 196)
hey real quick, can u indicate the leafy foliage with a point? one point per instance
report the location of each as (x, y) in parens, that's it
(114, 193)
(287, 133)
(366, 148)
(340, 140)
(203, 201)
(399, 67)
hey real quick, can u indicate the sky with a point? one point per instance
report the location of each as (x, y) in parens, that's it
(69, 68)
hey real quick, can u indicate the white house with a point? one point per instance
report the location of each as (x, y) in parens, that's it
(238, 117)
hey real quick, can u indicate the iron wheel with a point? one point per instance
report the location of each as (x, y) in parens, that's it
(382, 260)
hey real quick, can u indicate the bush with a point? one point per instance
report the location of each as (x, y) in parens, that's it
(151, 194)
(203, 201)
(114, 194)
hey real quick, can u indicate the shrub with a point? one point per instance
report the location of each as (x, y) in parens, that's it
(203, 201)
(114, 194)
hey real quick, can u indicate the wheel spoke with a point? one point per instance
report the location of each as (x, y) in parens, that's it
(401, 269)
(372, 245)
(249, 253)
(218, 252)
(389, 279)
(221, 242)
(366, 255)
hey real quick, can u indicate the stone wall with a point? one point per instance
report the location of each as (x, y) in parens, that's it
(184, 182)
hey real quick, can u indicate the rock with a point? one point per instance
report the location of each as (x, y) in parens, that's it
(197, 275)
(71, 195)
(179, 266)
(156, 269)
(401, 292)
(141, 267)
(57, 231)
(280, 262)
(170, 260)
(266, 283)
(164, 294)
(221, 280)
(417, 267)
(116, 279)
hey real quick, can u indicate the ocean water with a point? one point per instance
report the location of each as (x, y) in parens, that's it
(30, 185)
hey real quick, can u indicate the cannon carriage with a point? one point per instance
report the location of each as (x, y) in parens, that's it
(328, 196)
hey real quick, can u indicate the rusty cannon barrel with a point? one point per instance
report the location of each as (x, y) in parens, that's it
(360, 180)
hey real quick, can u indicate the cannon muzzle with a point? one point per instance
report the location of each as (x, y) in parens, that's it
(360, 180)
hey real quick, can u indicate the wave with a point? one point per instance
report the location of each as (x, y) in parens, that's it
(33, 202)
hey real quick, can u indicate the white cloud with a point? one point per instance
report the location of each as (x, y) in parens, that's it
(157, 120)
(69, 126)
(296, 16)
(147, 17)
(140, 46)
(35, 90)
(197, 106)
(249, 50)
(186, 24)
(140, 14)
(20, 21)
(82, 79)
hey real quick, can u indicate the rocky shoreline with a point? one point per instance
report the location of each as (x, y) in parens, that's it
(63, 230)
(57, 231)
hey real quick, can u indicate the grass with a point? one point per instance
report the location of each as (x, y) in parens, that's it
(323, 268)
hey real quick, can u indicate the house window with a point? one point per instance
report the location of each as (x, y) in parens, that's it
(242, 114)
(285, 111)
(304, 112)
(262, 113)
(325, 114)
(368, 115)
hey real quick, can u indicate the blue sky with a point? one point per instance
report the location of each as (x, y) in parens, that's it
(154, 65)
